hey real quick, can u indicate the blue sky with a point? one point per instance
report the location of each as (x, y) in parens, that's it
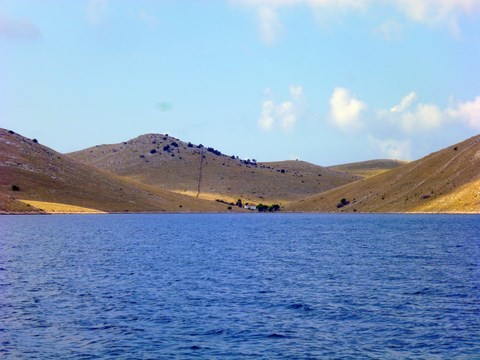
(319, 80)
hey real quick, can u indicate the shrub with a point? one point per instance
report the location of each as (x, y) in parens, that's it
(15, 188)
(173, 143)
(11, 132)
(35, 141)
(343, 202)
(166, 148)
(190, 145)
(274, 207)
(153, 151)
(262, 208)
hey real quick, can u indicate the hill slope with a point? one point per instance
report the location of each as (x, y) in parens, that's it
(370, 167)
(445, 181)
(168, 163)
(43, 178)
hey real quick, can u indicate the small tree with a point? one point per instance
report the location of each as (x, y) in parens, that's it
(262, 208)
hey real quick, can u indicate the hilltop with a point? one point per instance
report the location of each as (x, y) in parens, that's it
(35, 178)
(370, 167)
(167, 163)
(445, 181)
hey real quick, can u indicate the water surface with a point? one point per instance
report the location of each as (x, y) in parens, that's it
(240, 286)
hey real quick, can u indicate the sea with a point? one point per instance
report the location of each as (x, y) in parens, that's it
(240, 286)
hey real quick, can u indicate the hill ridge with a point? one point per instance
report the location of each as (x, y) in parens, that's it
(412, 187)
(169, 163)
(33, 173)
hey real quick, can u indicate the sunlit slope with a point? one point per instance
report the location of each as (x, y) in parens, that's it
(445, 181)
(170, 164)
(370, 167)
(33, 172)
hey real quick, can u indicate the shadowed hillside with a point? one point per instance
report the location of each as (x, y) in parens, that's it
(168, 163)
(35, 177)
(445, 181)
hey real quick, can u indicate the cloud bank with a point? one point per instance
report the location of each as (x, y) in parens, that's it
(392, 131)
(429, 12)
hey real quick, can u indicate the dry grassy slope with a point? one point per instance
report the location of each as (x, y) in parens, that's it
(444, 181)
(144, 159)
(370, 167)
(45, 175)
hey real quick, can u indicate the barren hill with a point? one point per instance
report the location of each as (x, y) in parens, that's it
(445, 181)
(370, 167)
(35, 177)
(170, 164)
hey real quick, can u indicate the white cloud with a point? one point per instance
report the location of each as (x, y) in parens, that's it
(14, 29)
(283, 115)
(425, 117)
(287, 114)
(296, 91)
(468, 112)
(96, 11)
(269, 24)
(404, 103)
(431, 12)
(345, 110)
(392, 149)
(266, 119)
(434, 11)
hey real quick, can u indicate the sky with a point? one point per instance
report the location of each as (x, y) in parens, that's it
(324, 81)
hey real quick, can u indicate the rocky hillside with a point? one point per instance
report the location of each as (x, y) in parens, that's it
(36, 178)
(445, 181)
(167, 163)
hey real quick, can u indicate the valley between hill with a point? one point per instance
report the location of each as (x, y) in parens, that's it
(159, 173)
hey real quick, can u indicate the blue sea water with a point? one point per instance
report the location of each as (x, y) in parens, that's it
(240, 286)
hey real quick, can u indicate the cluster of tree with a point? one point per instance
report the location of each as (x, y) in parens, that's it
(266, 208)
(212, 150)
(250, 162)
